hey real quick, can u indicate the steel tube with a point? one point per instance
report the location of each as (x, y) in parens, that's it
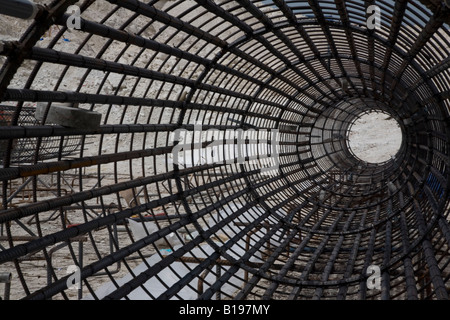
(225, 149)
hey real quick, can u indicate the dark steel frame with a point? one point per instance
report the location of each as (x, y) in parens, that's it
(244, 64)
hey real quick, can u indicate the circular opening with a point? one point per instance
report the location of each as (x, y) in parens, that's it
(375, 137)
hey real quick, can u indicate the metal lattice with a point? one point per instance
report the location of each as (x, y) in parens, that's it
(294, 74)
(26, 150)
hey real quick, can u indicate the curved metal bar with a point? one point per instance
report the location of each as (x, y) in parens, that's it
(224, 141)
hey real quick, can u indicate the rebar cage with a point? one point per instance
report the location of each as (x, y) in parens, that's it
(24, 150)
(141, 212)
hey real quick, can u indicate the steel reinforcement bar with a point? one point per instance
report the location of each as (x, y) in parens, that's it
(222, 165)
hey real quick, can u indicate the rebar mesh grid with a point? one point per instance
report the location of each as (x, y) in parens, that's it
(302, 71)
(24, 150)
